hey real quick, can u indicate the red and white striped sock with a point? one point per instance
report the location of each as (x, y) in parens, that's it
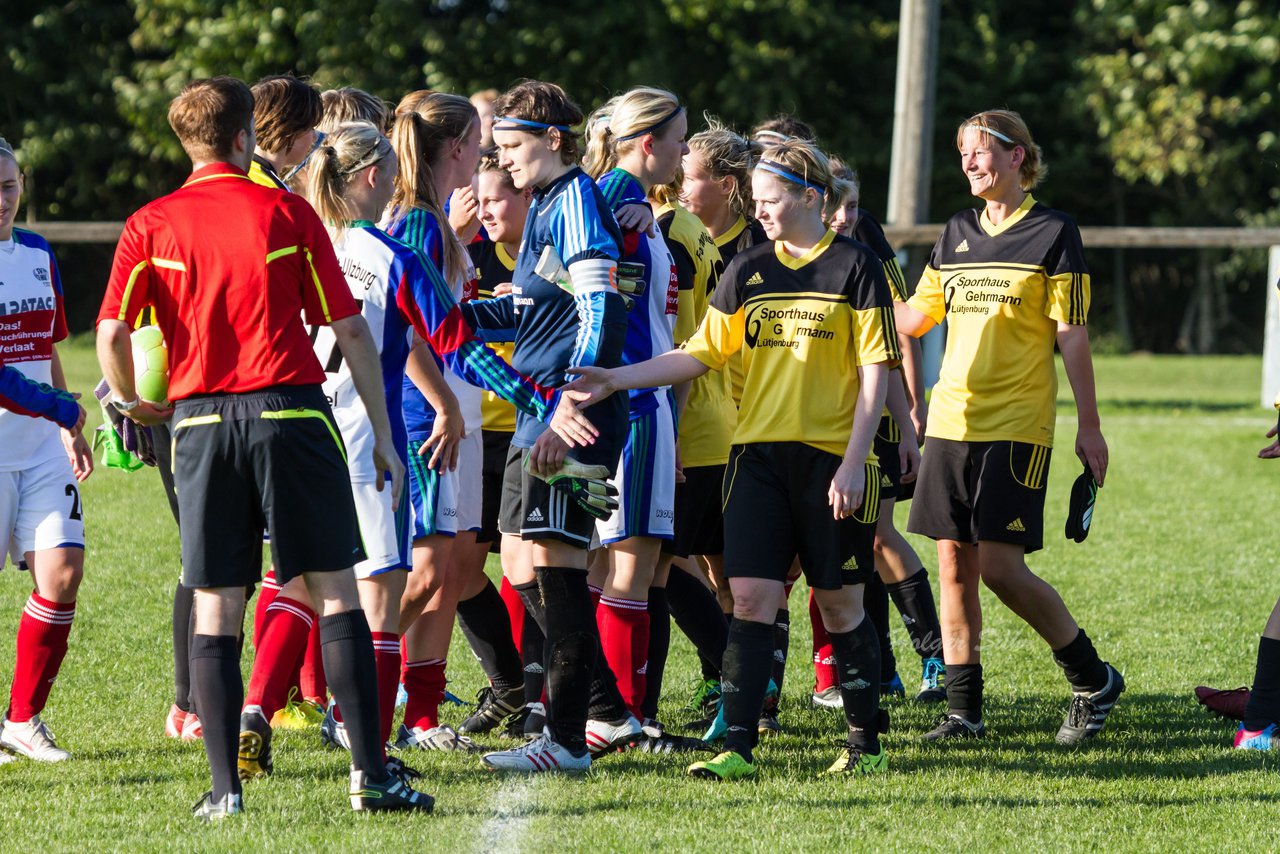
(282, 639)
(386, 659)
(424, 682)
(824, 659)
(42, 644)
(266, 595)
(624, 635)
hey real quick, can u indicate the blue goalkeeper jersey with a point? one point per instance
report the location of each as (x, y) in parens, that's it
(651, 313)
(558, 321)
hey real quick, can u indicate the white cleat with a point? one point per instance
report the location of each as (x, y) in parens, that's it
(437, 738)
(31, 739)
(602, 735)
(541, 754)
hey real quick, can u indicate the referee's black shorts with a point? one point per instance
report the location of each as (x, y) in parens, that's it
(268, 459)
(775, 509)
(973, 491)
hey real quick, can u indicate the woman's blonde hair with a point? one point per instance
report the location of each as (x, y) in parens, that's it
(6, 150)
(624, 120)
(806, 168)
(350, 104)
(348, 150)
(426, 124)
(840, 169)
(728, 155)
(1007, 129)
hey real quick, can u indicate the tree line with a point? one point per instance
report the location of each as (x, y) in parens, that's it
(1150, 112)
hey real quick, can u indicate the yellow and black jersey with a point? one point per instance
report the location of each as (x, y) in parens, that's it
(709, 417)
(262, 172)
(494, 266)
(740, 236)
(803, 325)
(867, 230)
(1002, 289)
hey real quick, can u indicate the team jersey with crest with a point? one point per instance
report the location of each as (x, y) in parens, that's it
(399, 291)
(709, 417)
(651, 315)
(494, 265)
(804, 325)
(741, 235)
(564, 309)
(1003, 289)
(419, 229)
(32, 320)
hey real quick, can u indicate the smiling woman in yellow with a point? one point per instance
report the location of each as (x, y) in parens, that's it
(1010, 280)
(812, 314)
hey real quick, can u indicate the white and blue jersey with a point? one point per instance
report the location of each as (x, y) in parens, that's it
(564, 309)
(651, 317)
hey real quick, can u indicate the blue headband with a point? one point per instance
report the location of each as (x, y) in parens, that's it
(528, 124)
(770, 166)
(652, 128)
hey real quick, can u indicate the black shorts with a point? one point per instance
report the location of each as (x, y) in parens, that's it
(163, 441)
(972, 491)
(775, 509)
(496, 445)
(270, 459)
(699, 524)
(536, 511)
(885, 444)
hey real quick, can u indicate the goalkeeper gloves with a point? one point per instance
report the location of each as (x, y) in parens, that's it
(586, 485)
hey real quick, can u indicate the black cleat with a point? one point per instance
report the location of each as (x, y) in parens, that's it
(492, 708)
(951, 727)
(1088, 712)
(254, 758)
(393, 793)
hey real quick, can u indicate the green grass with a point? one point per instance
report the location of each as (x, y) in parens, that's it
(1173, 586)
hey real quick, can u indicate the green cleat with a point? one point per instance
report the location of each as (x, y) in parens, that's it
(726, 766)
(852, 760)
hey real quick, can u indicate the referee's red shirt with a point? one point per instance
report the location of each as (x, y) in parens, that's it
(230, 268)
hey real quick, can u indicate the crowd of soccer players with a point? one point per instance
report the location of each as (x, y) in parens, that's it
(661, 374)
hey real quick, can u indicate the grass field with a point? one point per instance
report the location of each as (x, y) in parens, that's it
(1173, 585)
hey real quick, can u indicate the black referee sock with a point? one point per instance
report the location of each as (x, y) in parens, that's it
(875, 602)
(697, 613)
(914, 601)
(781, 645)
(857, 655)
(572, 646)
(487, 628)
(964, 691)
(606, 700)
(1081, 664)
(533, 641)
(183, 600)
(218, 690)
(744, 681)
(346, 648)
(1263, 707)
(659, 644)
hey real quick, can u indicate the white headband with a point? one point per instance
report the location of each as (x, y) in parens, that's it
(993, 132)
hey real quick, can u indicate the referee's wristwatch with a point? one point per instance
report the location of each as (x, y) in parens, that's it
(125, 406)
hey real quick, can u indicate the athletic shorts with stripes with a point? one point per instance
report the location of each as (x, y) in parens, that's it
(270, 459)
(535, 510)
(776, 509)
(433, 495)
(646, 478)
(973, 491)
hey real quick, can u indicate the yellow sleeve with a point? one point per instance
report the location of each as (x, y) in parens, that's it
(719, 337)
(1068, 300)
(928, 298)
(875, 337)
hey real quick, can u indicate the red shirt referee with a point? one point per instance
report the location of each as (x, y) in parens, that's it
(230, 268)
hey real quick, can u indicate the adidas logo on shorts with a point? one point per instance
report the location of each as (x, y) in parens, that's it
(1016, 526)
(963, 247)
(884, 480)
(536, 515)
(756, 279)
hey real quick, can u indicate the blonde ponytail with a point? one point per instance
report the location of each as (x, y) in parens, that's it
(347, 151)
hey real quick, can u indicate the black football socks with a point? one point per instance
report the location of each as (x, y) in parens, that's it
(914, 600)
(487, 628)
(183, 600)
(748, 659)
(697, 613)
(1263, 708)
(875, 602)
(659, 645)
(857, 655)
(346, 649)
(572, 647)
(1081, 664)
(964, 691)
(218, 689)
